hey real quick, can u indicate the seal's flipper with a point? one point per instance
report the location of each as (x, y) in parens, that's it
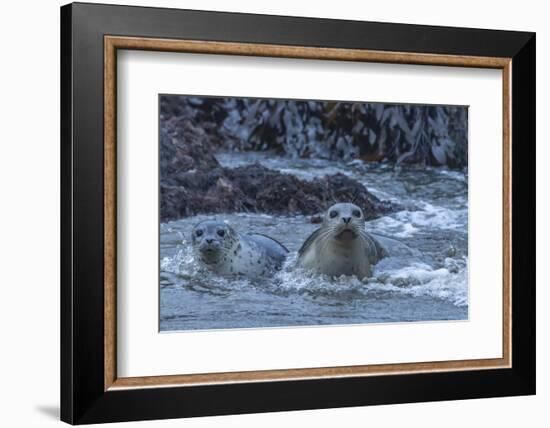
(261, 235)
(374, 250)
(272, 248)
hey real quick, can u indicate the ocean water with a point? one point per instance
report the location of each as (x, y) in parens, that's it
(431, 285)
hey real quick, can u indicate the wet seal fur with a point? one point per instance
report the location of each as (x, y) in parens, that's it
(219, 248)
(341, 246)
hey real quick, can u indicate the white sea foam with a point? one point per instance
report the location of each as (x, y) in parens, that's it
(449, 283)
(406, 224)
(392, 226)
(419, 279)
(433, 216)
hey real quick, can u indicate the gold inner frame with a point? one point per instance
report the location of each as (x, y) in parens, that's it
(113, 43)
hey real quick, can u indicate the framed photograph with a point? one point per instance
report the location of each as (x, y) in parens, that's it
(265, 213)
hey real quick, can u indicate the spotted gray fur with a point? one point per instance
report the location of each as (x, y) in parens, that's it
(224, 251)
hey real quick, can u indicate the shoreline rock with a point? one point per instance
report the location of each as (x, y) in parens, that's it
(193, 182)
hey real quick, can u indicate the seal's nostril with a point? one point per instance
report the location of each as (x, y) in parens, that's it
(346, 219)
(209, 241)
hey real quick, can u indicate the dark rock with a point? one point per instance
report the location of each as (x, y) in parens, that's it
(193, 182)
(274, 192)
(316, 219)
(184, 148)
(398, 133)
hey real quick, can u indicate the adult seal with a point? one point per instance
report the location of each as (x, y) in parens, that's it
(220, 249)
(341, 246)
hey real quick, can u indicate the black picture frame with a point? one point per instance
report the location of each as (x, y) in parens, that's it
(83, 398)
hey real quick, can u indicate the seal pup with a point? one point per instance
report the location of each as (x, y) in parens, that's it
(341, 246)
(219, 248)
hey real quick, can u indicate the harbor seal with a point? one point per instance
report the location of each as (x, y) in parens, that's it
(219, 248)
(341, 246)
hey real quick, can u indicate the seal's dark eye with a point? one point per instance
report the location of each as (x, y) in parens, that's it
(333, 214)
(198, 232)
(357, 213)
(221, 233)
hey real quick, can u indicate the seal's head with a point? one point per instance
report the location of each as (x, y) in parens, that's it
(344, 222)
(212, 240)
